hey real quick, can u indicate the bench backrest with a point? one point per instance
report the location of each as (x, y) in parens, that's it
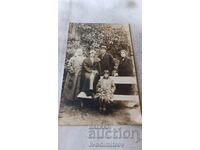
(124, 80)
(119, 80)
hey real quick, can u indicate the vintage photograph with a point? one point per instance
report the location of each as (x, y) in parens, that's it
(99, 80)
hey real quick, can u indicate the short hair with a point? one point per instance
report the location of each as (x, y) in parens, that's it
(123, 50)
(103, 46)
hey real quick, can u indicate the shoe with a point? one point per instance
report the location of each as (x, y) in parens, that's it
(100, 109)
(104, 109)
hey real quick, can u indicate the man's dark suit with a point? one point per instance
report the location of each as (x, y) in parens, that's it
(106, 63)
(125, 67)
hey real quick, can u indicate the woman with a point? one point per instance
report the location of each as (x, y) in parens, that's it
(91, 69)
(72, 84)
(125, 68)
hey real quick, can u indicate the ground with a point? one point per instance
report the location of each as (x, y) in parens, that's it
(120, 114)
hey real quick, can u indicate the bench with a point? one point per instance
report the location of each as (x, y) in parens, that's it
(124, 80)
(130, 100)
(116, 97)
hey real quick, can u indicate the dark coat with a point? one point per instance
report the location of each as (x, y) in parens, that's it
(88, 67)
(106, 63)
(125, 67)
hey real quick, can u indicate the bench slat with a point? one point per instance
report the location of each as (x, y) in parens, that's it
(115, 97)
(125, 97)
(124, 80)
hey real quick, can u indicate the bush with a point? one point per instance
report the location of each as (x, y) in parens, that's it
(91, 36)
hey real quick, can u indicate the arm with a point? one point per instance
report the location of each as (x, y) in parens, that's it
(86, 68)
(98, 87)
(98, 67)
(130, 67)
(112, 62)
(70, 68)
(113, 87)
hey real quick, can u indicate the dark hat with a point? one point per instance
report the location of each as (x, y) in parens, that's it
(103, 46)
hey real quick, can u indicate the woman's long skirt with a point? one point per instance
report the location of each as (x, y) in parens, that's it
(72, 86)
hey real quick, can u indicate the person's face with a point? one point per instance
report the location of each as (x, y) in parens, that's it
(106, 75)
(79, 53)
(92, 54)
(123, 54)
(103, 50)
(114, 71)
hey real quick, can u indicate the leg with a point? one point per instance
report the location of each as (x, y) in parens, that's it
(81, 104)
(104, 107)
(100, 105)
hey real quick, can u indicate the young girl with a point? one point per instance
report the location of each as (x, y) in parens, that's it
(105, 90)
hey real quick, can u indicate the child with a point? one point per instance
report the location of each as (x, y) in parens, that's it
(105, 90)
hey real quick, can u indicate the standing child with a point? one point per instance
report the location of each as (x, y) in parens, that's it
(105, 91)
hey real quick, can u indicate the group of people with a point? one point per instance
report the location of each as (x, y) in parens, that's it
(83, 74)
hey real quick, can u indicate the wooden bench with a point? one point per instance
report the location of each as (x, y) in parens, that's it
(129, 100)
(116, 97)
(124, 80)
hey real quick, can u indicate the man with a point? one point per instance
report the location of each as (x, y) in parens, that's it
(106, 60)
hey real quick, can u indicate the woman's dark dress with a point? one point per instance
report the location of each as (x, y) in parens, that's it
(88, 67)
(125, 68)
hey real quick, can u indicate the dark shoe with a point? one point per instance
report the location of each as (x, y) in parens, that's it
(104, 109)
(100, 109)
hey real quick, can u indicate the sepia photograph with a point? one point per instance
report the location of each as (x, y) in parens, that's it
(99, 80)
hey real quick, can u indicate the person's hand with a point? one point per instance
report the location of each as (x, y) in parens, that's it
(94, 71)
(71, 71)
(115, 74)
(98, 59)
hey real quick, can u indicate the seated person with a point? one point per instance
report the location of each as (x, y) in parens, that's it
(91, 69)
(105, 90)
(126, 68)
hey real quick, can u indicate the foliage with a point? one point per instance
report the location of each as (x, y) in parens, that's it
(91, 36)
